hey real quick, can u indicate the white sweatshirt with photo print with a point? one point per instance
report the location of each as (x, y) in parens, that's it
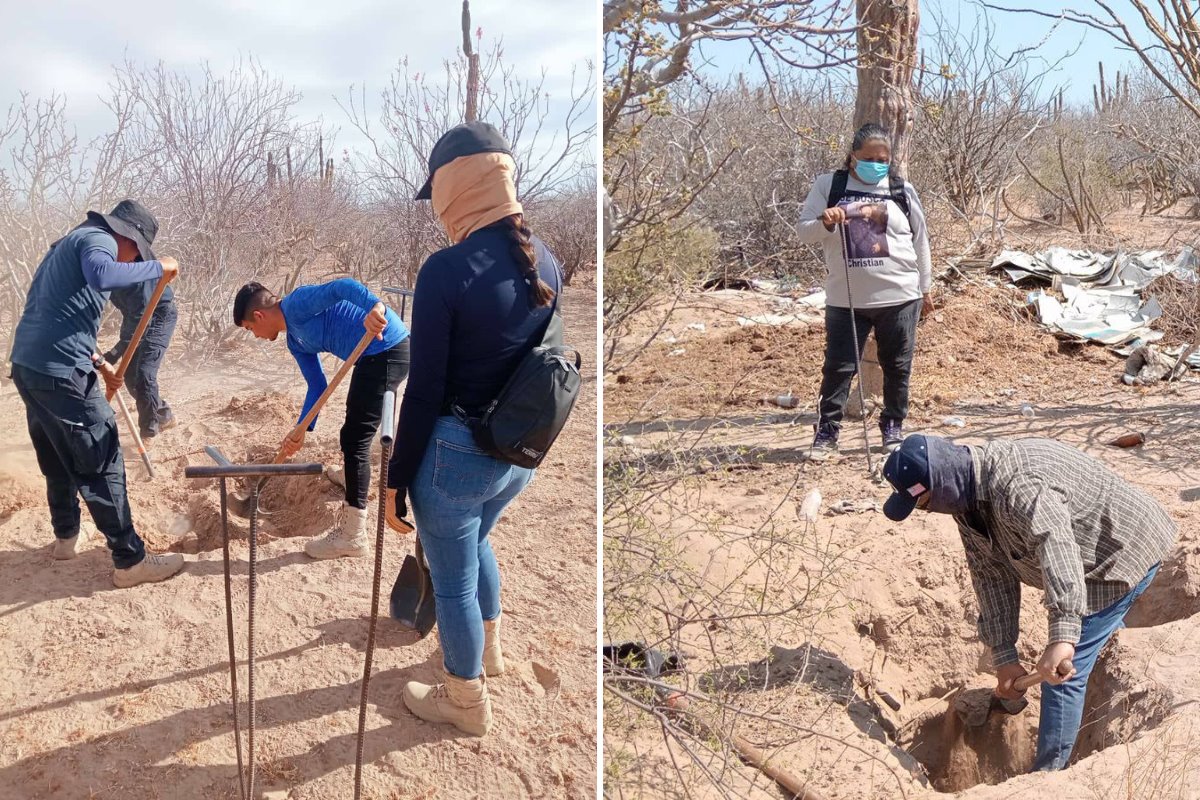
(888, 253)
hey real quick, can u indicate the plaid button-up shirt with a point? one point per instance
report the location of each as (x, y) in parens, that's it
(1060, 521)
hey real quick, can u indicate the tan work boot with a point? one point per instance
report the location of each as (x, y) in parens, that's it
(154, 567)
(459, 702)
(66, 549)
(493, 657)
(347, 541)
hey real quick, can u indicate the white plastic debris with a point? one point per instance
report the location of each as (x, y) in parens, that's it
(810, 507)
(954, 422)
(677, 351)
(786, 400)
(1027, 411)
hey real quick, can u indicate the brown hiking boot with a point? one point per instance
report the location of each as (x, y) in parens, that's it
(348, 540)
(66, 549)
(154, 567)
(459, 702)
(493, 657)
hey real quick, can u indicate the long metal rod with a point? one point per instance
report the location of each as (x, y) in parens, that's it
(862, 401)
(386, 436)
(251, 470)
(250, 633)
(237, 728)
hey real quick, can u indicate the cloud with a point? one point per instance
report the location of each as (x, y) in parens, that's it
(320, 47)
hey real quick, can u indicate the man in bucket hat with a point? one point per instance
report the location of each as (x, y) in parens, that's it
(55, 368)
(1036, 512)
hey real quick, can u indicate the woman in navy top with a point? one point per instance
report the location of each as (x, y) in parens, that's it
(479, 307)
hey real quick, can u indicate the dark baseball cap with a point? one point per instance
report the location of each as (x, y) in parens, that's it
(467, 139)
(907, 470)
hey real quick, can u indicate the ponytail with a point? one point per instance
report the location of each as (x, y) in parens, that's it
(540, 293)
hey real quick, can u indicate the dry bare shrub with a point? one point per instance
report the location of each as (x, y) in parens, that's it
(654, 263)
(245, 189)
(740, 599)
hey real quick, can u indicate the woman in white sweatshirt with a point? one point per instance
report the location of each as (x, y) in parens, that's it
(872, 227)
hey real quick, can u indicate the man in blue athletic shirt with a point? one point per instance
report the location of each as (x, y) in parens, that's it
(55, 369)
(331, 318)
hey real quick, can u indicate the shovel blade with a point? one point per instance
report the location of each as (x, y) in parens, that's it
(975, 706)
(238, 505)
(413, 604)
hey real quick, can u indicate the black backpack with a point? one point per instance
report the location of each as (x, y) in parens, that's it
(837, 190)
(526, 417)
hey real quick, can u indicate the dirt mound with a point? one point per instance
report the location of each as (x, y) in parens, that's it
(21, 486)
(266, 407)
(300, 505)
(980, 344)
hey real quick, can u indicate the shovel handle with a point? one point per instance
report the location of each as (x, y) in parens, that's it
(1033, 679)
(140, 330)
(137, 437)
(347, 365)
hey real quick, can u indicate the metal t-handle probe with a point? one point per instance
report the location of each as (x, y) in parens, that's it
(387, 431)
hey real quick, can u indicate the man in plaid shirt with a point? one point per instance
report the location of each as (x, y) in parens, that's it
(1037, 512)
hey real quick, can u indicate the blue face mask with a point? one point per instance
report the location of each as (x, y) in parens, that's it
(870, 171)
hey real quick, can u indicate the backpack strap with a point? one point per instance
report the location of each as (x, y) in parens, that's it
(837, 189)
(899, 196)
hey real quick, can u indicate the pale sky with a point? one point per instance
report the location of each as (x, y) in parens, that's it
(320, 47)
(1079, 48)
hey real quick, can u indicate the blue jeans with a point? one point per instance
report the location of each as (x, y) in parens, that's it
(457, 496)
(1062, 705)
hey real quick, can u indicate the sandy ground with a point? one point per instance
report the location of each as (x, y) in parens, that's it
(110, 693)
(897, 611)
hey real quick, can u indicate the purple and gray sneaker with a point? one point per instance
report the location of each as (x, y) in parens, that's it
(893, 434)
(825, 444)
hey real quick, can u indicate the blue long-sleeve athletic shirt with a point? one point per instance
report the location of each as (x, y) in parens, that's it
(328, 318)
(57, 331)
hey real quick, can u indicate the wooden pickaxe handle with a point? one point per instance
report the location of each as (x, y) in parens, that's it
(139, 330)
(1033, 679)
(347, 365)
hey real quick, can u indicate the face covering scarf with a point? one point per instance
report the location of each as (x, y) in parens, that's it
(474, 191)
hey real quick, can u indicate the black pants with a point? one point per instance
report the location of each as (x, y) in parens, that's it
(74, 433)
(143, 370)
(372, 376)
(896, 335)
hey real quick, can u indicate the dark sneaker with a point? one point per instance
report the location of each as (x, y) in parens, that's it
(825, 444)
(893, 434)
(167, 422)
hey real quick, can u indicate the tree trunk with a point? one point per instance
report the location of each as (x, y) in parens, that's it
(887, 57)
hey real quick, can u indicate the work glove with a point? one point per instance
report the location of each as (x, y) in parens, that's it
(396, 511)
